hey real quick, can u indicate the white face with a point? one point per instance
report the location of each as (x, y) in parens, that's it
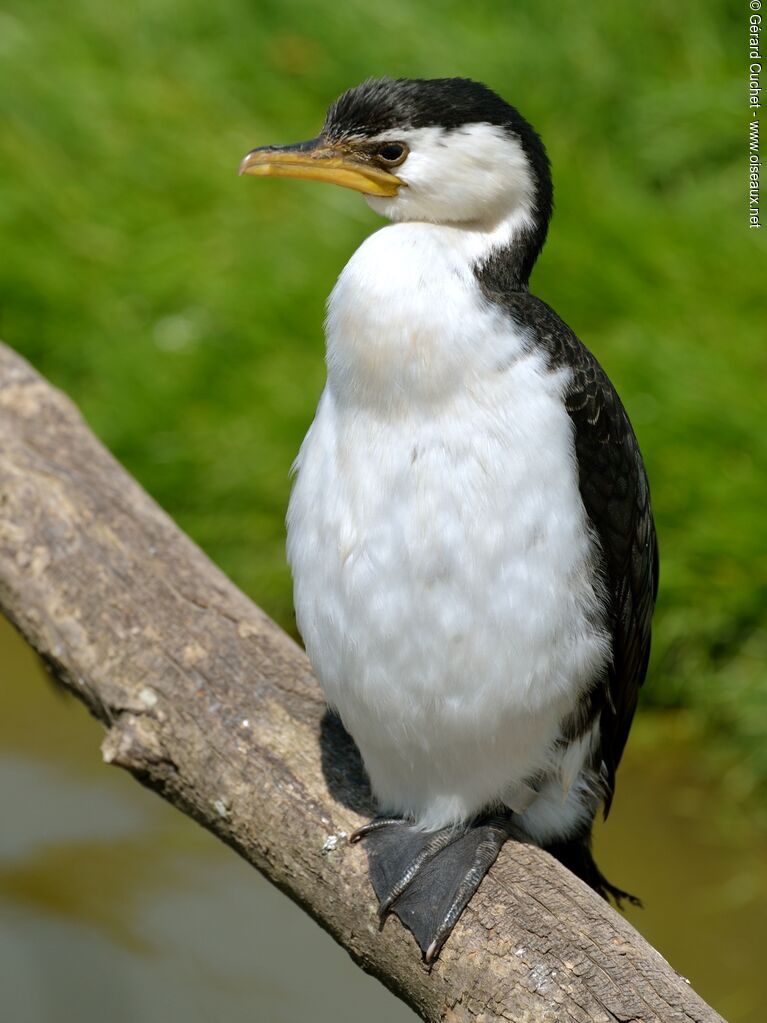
(476, 174)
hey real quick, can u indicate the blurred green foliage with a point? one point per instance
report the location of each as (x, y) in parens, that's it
(182, 307)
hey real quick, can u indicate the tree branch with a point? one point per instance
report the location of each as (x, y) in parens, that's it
(206, 701)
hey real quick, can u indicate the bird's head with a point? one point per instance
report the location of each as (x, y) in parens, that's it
(445, 151)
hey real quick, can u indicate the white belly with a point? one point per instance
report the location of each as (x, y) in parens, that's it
(444, 583)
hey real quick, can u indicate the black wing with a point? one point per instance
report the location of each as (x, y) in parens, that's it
(616, 495)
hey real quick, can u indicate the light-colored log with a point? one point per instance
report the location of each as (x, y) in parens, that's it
(207, 701)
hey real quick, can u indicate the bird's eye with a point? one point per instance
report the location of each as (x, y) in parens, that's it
(392, 153)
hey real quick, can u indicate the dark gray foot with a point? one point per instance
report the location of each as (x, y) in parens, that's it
(428, 878)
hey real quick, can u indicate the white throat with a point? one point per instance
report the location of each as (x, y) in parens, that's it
(407, 324)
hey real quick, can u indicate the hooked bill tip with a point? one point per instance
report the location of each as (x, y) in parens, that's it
(245, 162)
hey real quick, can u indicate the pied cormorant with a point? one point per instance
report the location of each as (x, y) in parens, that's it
(470, 530)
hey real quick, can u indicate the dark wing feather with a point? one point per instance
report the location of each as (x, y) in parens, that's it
(616, 496)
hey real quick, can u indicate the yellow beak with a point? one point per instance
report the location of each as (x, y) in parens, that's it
(316, 160)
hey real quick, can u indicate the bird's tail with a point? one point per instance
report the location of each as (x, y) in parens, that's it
(577, 856)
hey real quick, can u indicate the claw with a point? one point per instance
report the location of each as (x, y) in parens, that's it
(371, 826)
(431, 952)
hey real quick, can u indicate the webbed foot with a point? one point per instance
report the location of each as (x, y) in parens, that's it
(428, 878)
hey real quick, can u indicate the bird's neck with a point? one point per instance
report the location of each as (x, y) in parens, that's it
(409, 322)
(507, 265)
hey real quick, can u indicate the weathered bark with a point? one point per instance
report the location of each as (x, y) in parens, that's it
(206, 701)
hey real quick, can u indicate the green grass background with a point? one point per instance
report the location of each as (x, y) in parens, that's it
(181, 306)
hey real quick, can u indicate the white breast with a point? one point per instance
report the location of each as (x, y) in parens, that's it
(442, 566)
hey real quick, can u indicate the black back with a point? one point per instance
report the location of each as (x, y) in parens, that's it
(615, 493)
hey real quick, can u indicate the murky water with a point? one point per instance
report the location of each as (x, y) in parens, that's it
(115, 906)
